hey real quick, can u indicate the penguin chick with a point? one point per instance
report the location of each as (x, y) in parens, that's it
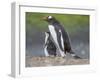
(49, 48)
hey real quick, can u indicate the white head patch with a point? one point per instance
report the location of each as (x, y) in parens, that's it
(49, 17)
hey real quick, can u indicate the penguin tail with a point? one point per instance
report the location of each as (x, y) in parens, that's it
(74, 55)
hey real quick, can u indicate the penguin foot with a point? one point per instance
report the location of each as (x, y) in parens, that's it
(63, 56)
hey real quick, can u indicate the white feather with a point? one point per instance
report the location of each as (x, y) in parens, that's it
(46, 37)
(46, 52)
(62, 41)
(54, 36)
(49, 17)
(45, 48)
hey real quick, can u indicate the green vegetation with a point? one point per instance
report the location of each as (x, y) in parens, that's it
(71, 22)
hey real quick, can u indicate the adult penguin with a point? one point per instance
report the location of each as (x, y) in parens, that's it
(49, 48)
(60, 36)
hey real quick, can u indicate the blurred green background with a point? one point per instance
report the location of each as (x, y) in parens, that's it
(76, 25)
(71, 22)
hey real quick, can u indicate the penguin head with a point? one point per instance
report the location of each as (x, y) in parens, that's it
(50, 19)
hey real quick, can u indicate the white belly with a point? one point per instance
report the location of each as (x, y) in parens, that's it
(54, 36)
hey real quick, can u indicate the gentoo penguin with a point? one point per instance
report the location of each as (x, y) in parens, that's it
(60, 36)
(49, 48)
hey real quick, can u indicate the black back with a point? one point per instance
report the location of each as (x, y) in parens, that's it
(67, 45)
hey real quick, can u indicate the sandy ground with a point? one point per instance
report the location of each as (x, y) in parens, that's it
(53, 61)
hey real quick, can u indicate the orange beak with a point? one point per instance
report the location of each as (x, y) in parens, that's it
(44, 18)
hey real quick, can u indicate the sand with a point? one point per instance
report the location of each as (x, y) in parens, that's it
(32, 61)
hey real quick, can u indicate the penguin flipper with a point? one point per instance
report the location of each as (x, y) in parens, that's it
(60, 40)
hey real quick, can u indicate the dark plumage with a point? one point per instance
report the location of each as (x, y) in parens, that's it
(49, 45)
(62, 41)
